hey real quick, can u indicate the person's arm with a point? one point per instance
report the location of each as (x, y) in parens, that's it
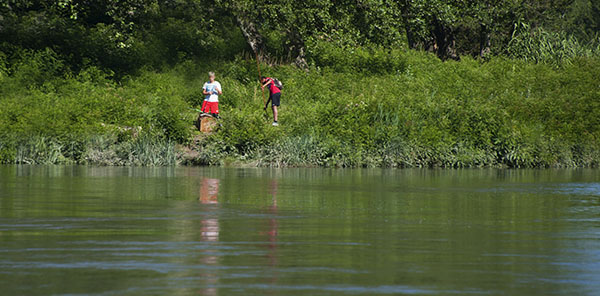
(269, 81)
(218, 89)
(266, 84)
(204, 92)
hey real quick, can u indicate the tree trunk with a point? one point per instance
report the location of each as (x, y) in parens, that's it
(300, 60)
(410, 36)
(296, 48)
(484, 42)
(444, 42)
(251, 34)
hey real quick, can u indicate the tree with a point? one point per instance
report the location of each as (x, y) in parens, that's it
(430, 25)
(583, 20)
(246, 15)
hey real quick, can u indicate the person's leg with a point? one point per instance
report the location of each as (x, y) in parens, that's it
(214, 109)
(204, 107)
(276, 102)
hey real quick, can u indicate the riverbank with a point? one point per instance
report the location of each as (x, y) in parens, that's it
(420, 112)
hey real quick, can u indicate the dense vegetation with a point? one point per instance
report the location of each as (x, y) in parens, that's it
(367, 83)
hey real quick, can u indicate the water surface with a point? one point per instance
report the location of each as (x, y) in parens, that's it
(214, 231)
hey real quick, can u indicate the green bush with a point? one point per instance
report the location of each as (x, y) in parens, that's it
(425, 113)
(358, 59)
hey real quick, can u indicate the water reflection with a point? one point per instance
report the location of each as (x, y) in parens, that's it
(209, 191)
(187, 231)
(209, 230)
(273, 231)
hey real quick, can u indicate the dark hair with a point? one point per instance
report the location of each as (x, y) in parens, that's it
(262, 78)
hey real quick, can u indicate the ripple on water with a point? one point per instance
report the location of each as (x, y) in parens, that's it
(591, 189)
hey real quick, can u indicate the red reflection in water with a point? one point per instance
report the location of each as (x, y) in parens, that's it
(209, 232)
(209, 191)
(273, 232)
(273, 221)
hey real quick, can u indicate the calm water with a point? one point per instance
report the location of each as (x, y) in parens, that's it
(206, 231)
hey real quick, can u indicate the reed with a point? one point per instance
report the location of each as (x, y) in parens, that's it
(555, 48)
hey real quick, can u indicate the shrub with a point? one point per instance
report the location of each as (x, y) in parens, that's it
(372, 60)
(426, 113)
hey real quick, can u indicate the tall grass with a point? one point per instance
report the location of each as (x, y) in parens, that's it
(39, 150)
(556, 48)
(98, 150)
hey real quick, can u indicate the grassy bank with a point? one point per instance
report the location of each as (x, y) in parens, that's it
(417, 112)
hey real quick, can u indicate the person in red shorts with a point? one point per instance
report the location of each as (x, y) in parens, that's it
(211, 89)
(274, 97)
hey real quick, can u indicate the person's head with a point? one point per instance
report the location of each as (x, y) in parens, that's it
(211, 76)
(263, 79)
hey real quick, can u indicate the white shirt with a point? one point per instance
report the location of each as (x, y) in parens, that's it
(212, 89)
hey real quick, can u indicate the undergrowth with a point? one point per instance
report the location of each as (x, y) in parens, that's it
(403, 109)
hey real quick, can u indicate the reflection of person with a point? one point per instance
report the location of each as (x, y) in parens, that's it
(209, 191)
(211, 89)
(273, 210)
(273, 225)
(209, 232)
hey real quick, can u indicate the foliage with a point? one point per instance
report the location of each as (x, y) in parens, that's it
(426, 113)
(124, 36)
(542, 46)
(357, 59)
(114, 82)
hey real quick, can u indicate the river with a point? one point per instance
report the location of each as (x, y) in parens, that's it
(77, 230)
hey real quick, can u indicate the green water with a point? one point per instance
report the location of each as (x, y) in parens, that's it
(214, 231)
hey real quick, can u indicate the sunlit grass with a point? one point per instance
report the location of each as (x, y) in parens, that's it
(425, 113)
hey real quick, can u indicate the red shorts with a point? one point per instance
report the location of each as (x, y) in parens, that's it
(210, 107)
